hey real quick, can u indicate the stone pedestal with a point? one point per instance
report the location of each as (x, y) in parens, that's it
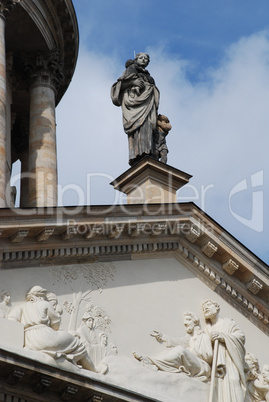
(151, 182)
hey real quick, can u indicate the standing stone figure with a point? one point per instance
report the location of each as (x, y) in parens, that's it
(230, 381)
(136, 93)
(191, 354)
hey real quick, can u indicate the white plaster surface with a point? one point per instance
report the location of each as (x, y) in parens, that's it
(11, 333)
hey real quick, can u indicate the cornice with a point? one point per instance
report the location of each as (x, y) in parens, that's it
(56, 236)
(21, 377)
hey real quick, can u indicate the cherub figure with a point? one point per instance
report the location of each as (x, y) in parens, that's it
(162, 130)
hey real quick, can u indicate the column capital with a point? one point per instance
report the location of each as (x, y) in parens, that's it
(6, 7)
(44, 69)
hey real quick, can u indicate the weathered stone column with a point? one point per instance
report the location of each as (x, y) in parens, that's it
(42, 132)
(5, 7)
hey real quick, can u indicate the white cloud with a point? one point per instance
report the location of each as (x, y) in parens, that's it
(220, 129)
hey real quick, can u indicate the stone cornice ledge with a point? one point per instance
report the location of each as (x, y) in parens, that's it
(21, 375)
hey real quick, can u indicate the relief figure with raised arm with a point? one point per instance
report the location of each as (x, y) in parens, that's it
(191, 354)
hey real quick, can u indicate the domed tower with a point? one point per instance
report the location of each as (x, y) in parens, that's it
(38, 54)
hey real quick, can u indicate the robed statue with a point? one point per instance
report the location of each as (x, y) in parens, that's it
(136, 93)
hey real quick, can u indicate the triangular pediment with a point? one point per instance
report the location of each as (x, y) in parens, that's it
(144, 268)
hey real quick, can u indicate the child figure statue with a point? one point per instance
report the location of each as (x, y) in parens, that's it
(162, 129)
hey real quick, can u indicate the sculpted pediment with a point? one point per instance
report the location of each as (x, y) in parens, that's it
(117, 293)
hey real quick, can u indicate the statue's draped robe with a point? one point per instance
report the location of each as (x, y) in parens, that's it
(254, 394)
(139, 110)
(231, 356)
(41, 323)
(193, 353)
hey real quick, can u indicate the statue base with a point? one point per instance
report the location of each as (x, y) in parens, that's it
(151, 182)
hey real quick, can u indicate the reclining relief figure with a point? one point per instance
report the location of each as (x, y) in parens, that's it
(191, 354)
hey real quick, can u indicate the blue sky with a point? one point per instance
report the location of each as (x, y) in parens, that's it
(210, 60)
(196, 30)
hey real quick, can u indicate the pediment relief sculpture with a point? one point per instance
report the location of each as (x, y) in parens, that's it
(257, 381)
(215, 354)
(211, 355)
(41, 318)
(191, 354)
(93, 334)
(5, 298)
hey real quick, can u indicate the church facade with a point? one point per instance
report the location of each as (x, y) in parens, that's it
(148, 301)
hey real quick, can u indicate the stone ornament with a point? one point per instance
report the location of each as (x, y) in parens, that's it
(43, 69)
(254, 286)
(4, 303)
(230, 266)
(209, 249)
(191, 354)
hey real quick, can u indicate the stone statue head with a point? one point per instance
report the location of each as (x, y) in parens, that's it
(265, 373)
(5, 296)
(191, 320)
(142, 59)
(113, 350)
(162, 117)
(103, 338)
(210, 308)
(252, 368)
(88, 319)
(52, 298)
(36, 292)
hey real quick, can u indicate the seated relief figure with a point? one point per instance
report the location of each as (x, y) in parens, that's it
(191, 354)
(41, 319)
(229, 348)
